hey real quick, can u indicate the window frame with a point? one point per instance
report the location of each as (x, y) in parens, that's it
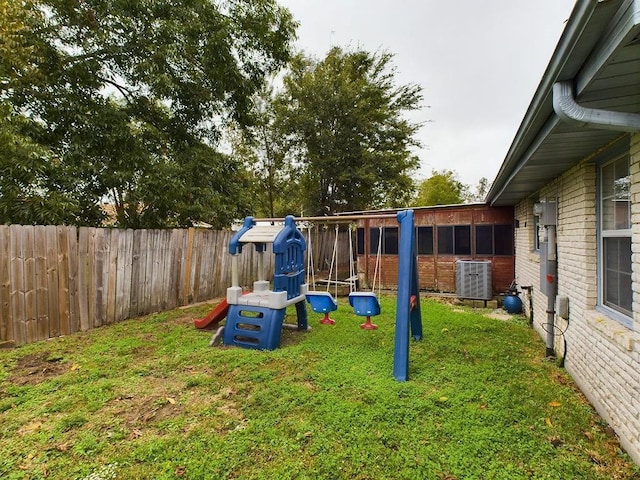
(421, 233)
(536, 234)
(455, 242)
(390, 238)
(493, 236)
(615, 311)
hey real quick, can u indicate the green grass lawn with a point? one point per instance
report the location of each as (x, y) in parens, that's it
(148, 399)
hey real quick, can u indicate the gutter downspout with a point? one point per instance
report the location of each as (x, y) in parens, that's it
(569, 111)
(552, 289)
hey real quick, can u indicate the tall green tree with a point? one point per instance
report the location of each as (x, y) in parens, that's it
(442, 188)
(349, 139)
(481, 190)
(23, 162)
(129, 97)
(261, 147)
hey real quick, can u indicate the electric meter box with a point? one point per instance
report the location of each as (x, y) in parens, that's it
(546, 210)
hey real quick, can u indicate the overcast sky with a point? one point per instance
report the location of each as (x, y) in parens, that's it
(478, 62)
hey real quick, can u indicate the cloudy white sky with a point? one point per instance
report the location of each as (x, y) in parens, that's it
(478, 62)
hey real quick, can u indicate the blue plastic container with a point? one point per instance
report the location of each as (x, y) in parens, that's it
(512, 304)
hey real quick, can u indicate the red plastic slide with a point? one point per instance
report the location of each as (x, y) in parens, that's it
(214, 317)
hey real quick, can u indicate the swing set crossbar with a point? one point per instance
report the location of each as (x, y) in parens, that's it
(333, 218)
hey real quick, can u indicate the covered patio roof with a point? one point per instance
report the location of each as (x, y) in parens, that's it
(596, 71)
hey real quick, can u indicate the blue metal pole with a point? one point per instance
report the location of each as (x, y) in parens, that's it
(407, 312)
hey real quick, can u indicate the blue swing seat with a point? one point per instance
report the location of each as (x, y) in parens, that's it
(364, 304)
(321, 302)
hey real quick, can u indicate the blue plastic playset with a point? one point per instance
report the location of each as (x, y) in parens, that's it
(255, 319)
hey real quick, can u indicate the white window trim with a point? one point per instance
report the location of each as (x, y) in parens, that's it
(620, 317)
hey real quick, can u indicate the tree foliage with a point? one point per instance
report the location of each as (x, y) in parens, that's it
(481, 191)
(125, 100)
(261, 147)
(442, 188)
(22, 160)
(348, 139)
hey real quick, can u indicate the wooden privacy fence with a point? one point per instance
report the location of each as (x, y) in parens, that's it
(57, 280)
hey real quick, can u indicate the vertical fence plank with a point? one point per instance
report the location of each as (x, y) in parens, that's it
(137, 273)
(17, 285)
(63, 278)
(145, 255)
(195, 267)
(91, 280)
(174, 255)
(100, 266)
(216, 248)
(149, 283)
(225, 260)
(6, 325)
(41, 290)
(187, 278)
(204, 260)
(112, 275)
(169, 300)
(30, 306)
(124, 284)
(51, 260)
(84, 277)
(158, 272)
(69, 261)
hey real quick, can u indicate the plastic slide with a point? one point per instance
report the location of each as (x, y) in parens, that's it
(214, 317)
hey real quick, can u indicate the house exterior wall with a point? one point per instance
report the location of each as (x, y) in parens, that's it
(602, 355)
(437, 272)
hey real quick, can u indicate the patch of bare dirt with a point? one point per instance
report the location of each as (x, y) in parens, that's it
(37, 368)
(138, 412)
(185, 320)
(499, 315)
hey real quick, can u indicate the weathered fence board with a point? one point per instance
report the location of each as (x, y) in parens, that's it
(57, 280)
(69, 260)
(53, 288)
(16, 297)
(41, 290)
(83, 278)
(30, 306)
(6, 324)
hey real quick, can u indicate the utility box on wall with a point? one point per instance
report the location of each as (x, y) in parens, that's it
(473, 280)
(546, 210)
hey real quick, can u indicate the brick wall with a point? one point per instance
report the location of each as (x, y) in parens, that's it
(603, 356)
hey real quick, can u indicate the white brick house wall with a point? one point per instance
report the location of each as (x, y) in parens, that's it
(603, 356)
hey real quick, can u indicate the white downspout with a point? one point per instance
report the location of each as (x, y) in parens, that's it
(569, 111)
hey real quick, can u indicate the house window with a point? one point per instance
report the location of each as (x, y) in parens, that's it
(424, 239)
(615, 236)
(536, 233)
(389, 241)
(494, 240)
(454, 240)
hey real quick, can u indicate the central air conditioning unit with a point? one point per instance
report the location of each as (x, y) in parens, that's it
(473, 280)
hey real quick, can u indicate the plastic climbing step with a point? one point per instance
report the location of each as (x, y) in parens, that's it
(253, 327)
